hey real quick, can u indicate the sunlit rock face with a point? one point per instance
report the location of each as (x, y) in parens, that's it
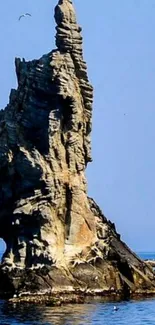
(48, 223)
(45, 147)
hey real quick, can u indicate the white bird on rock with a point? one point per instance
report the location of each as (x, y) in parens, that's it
(24, 15)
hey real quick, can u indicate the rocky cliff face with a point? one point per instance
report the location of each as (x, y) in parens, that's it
(55, 235)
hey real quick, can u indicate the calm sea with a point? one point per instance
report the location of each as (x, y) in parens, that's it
(95, 313)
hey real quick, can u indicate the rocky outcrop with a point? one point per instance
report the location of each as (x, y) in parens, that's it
(57, 238)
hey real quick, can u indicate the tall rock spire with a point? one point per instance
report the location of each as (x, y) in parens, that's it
(68, 37)
(46, 141)
(69, 41)
(57, 238)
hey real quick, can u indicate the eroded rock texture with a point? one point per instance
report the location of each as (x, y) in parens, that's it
(57, 238)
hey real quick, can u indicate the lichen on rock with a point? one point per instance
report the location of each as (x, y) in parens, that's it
(57, 238)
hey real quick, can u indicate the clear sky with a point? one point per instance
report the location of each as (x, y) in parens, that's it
(119, 48)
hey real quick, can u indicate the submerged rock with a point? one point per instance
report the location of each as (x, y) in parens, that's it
(57, 239)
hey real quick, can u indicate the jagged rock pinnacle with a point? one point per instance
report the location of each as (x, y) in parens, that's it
(57, 238)
(68, 36)
(44, 150)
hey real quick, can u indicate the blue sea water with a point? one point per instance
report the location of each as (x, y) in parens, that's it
(136, 312)
(147, 255)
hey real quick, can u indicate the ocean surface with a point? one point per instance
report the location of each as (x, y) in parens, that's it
(133, 312)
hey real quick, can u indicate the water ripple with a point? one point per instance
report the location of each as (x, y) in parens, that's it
(95, 313)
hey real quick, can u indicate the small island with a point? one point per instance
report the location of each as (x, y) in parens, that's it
(59, 245)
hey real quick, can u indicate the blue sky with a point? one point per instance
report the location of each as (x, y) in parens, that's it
(119, 48)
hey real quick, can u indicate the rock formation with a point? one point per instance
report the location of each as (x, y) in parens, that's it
(57, 238)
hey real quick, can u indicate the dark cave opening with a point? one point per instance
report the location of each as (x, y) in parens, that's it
(66, 112)
(126, 271)
(79, 126)
(68, 211)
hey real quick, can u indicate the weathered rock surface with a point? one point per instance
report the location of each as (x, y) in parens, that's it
(57, 239)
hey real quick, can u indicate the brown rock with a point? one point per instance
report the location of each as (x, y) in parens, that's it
(57, 239)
